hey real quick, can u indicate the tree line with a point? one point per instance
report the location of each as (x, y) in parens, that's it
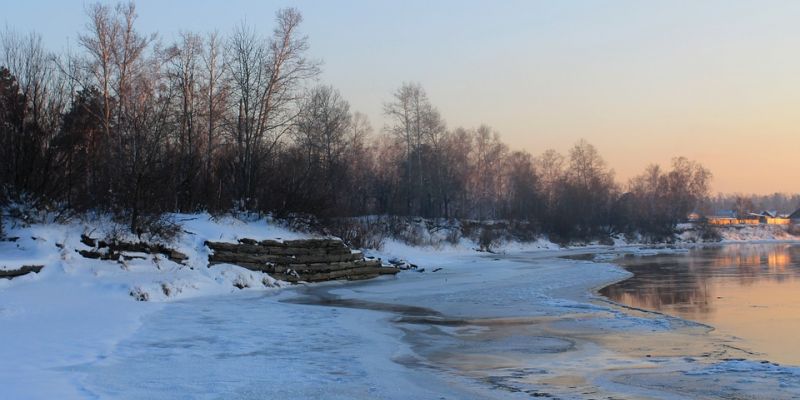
(743, 204)
(132, 126)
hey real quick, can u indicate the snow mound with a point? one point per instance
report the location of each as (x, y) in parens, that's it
(756, 233)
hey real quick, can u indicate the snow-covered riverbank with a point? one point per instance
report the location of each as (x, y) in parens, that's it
(76, 310)
(482, 326)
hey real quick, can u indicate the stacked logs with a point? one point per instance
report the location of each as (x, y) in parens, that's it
(311, 260)
(116, 250)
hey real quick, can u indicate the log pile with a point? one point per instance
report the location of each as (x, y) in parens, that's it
(116, 250)
(311, 260)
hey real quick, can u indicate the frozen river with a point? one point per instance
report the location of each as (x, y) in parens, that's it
(516, 326)
(751, 291)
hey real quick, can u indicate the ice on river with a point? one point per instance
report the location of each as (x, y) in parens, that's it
(256, 347)
(484, 327)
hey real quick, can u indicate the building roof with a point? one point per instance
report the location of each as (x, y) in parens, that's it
(725, 214)
(795, 215)
(768, 214)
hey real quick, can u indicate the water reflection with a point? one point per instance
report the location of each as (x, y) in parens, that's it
(688, 280)
(752, 290)
(774, 256)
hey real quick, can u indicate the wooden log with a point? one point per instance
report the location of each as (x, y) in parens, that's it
(25, 269)
(337, 250)
(362, 277)
(369, 263)
(222, 246)
(339, 274)
(286, 277)
(235, 258)
(303, 243)
(88, 241)
(237, 248)
(177, 256)
(117, 247)
(320, 267)
(327, 258)
(351, 274)
(290, 251)
(256, 266)
(110, 255)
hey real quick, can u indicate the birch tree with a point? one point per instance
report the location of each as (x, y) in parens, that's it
(267, 76)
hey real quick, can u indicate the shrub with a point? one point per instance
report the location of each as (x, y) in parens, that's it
(487, 239)
(362, 233)
(149, 227)
(709, 234)
(453, 236)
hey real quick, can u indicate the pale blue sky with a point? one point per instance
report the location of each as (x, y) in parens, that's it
(642, 80)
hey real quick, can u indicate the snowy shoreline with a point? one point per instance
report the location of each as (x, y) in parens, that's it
(76, 312)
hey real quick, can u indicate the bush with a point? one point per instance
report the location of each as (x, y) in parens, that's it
(523, 231)
(606, 241)
(453, 236)
(149, 227)
(362, 233)
(487, 239)
(709, 234)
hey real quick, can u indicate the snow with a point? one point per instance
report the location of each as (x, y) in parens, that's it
(756, 233)
(46, 327)
(76, 310)
(518, 322)
(252, 346)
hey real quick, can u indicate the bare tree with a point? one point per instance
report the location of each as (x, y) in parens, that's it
(456, 169)
(184, 73)
(488, 157)
(586, 167)
(322, 125)
(267, 75)
(133, 108)
(550, 169)
(215, 90)
(417, 123)
(40, 100)
(99, 42)
(520, 188)
(359, 162)
(128, 50)
(657, 199)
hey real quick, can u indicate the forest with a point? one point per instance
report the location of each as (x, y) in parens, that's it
(133, 126)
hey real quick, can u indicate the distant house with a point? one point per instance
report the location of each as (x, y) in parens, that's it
(694, 216)
(765, 214)
(716, 220)
(770, 218)
(726, 214)
(778, 221)
(729, 217)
